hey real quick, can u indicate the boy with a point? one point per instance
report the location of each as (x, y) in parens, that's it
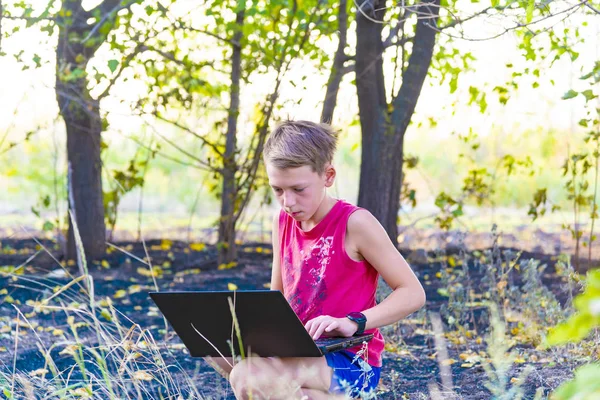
(327, 256)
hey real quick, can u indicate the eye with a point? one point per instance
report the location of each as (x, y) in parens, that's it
(299, 190)
(277, 190)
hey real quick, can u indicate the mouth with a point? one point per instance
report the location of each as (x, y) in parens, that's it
(294, 214)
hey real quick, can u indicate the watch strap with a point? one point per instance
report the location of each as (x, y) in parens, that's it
(360, 319)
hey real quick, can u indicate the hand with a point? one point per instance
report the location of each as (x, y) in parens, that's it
(326, 325)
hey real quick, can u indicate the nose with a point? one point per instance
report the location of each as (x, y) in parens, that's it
(288, 200)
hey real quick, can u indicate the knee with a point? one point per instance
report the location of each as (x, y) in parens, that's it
(239, 380)
(257, 378)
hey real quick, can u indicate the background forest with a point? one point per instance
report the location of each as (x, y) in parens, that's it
(131, 135)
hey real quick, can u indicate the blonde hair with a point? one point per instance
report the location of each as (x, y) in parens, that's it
(295, 144)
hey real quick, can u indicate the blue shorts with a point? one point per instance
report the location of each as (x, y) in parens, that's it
(351, 376)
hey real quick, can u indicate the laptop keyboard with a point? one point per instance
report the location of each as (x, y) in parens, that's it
(329, 341)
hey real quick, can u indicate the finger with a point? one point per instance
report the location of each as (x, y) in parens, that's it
(332, 326)
(308, 325)
(319, 330)
(312, 325)
(312, 322)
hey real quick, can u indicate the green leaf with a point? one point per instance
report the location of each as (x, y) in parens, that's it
(585, 384)
(112, 65)
(104, 313)
(453, 84)
(529, 11)
(589, 95)
(37, 60)
(35, 212)
(458, 212)
(579, 325)
(570, 94)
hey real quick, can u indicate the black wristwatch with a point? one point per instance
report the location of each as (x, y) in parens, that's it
(360, 319)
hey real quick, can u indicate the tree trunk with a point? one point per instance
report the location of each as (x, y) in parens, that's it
(227, 246)
(81, 114)
(337, 70)
(383, 126)
(375, 176)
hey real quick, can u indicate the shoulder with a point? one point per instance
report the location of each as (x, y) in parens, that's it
(362, 223)
(362, 233)
(360, 219)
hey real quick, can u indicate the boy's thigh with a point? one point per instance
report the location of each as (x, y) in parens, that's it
(305, 372)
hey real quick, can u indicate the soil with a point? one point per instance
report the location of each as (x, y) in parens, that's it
(410, 365)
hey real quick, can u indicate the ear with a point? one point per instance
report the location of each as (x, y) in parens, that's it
(329, 175)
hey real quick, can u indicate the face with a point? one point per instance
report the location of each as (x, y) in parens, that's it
(300, 191)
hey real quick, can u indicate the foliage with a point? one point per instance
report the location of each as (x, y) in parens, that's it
(586, 321)
(479, 184)
(124, 181)
(576, 170)
(242, 41)
(501, 360)
(44, 204)
(587, 317)
(585, 385)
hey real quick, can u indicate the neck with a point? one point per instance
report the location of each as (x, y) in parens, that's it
(324, 208)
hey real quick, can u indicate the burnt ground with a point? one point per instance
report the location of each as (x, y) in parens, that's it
(411, 363)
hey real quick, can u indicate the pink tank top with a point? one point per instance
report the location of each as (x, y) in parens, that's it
(319, 278)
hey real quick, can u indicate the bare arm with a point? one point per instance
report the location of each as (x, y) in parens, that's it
(375, 246)
(276, 283)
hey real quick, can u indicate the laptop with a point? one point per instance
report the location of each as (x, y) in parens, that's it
(268, 326)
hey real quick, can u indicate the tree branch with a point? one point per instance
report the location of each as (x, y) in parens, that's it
(214, 35)
(171, 57)
(262, 134)
(459, 20)
(168, 157)
(400, 42)
(336, 73)
(348, 68)
(124, 65)
(264, 125)
(22, 18)
(108, 8)
(516, 26)
(588, 5)
(188, 130)
(179, 148)
(168, 55)
(396, 29)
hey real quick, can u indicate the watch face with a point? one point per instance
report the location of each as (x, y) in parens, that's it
(357, 315)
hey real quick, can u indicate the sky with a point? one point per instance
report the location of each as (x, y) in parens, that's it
(31, 94)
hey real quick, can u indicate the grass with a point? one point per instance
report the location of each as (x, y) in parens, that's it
(518, 309)
(113, 357)
(119, 365)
